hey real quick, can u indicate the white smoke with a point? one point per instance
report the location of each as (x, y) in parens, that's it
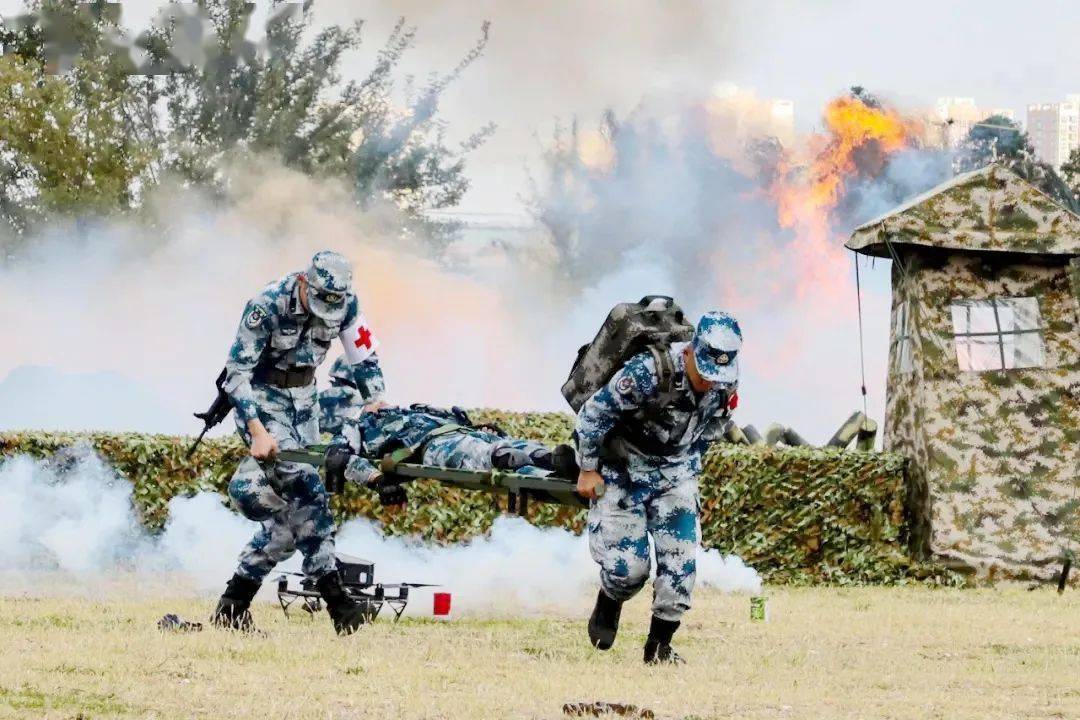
(73, 517)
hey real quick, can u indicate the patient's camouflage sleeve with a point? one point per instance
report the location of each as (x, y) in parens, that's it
(351, 388)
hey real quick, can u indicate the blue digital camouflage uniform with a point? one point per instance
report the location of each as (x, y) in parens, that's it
(351, 388)
(648, 446)
(288, 499)
(445, 438)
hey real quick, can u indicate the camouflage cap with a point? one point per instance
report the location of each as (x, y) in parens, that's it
(716, 343)
(329, 286)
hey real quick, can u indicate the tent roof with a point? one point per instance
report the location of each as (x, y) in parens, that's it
(987, 210)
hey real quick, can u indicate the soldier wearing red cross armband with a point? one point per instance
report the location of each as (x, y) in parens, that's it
(284, 335)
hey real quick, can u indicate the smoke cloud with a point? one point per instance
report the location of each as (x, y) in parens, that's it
(159, 305)
(75, 517)
(123, 324)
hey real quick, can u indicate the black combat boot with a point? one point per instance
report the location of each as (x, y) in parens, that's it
(658, 645)
(564, 462)
(348, 615)
(233, 609)
(604, 622)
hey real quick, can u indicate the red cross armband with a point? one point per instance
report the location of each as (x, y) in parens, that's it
(358, 340)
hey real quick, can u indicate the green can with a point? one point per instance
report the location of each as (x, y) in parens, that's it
(759, 609)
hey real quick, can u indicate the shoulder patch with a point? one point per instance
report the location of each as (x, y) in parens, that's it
(625, 385)
(255, 317)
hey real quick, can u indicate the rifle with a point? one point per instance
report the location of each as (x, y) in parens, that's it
(219, 410)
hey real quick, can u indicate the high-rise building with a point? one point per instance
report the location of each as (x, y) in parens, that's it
(953, 118)
(736, 114)
(1054, 129)
(956, 115)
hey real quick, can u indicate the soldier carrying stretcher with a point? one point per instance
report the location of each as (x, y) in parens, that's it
(641, 432)
(269, 378)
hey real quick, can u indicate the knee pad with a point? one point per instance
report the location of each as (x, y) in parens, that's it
(508, 458)
(505, 457)
(255, 501)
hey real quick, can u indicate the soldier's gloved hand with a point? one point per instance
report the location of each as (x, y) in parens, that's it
(390, 491)
(337, 459)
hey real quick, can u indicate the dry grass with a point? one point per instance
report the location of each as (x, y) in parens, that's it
(830, 653)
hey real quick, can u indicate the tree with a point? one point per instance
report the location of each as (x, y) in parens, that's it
(635, 189)
(1000, 139)
(1070, 172)
(63, 147)
(199, 100)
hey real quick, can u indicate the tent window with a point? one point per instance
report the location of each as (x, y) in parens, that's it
(1000, 334)
(902, 344)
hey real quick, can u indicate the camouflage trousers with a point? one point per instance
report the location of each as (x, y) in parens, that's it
(620, 523)
(479, 450)
(287, 499)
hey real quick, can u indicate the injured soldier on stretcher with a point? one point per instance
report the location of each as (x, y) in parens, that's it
(443, 438)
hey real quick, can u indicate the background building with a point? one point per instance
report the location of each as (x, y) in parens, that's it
(953, 118)
(1054, 129)
(962, 112)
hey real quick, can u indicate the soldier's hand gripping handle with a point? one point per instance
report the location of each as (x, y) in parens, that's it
(264, 446)
(590, 484)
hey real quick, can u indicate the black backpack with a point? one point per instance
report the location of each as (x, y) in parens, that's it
(652, 324)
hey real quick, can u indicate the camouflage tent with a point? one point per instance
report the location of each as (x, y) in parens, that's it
(984, 370)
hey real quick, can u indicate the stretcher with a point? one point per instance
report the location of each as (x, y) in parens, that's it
(520, 489)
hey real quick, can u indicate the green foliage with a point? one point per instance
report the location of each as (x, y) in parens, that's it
(1000, 139)
(803, 515)
(1070, 172)
(197, 105)
(996, 136)
(64, 146)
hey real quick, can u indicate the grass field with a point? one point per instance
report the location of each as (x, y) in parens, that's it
(828, 653)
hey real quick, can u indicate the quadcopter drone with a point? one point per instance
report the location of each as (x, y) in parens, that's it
(358, 580)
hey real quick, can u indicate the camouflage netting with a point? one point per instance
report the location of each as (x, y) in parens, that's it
(800, 515)
(994, 448)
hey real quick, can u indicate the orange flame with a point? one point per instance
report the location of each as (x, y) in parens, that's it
(859, 138)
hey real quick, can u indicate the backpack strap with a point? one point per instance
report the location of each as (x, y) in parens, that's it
(665, 369)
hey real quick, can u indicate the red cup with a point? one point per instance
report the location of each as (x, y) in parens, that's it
(441, 605)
